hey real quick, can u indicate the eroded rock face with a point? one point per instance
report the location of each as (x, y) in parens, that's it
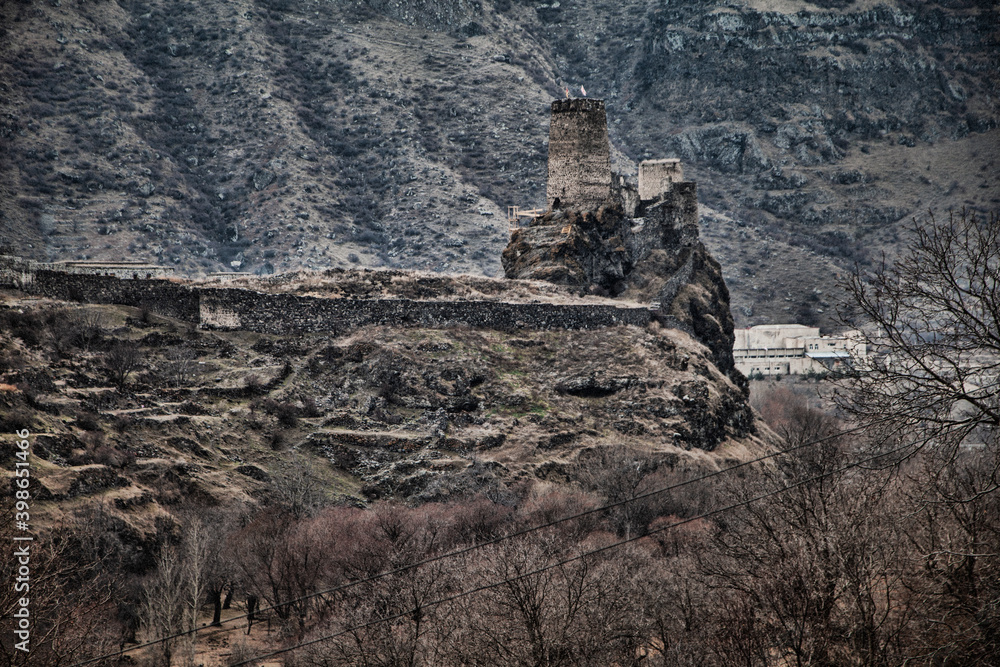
(701, 303)
(656, 258)
(589, 250)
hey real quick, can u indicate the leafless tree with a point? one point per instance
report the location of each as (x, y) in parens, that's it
(816, 568)
(175, 592)
(584, 612)
(164, 610)
(181, 366)
(72, 600)
(619, 475)
(298, 488)
(931, 320)
(953, 538)
(283, 560)
(121, 360)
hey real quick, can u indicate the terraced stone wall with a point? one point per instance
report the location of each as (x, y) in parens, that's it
(232, 308)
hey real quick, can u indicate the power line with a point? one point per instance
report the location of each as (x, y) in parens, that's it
(581, 556)
(481, 545)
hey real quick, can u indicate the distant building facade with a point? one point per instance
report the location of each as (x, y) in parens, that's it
(793, 349)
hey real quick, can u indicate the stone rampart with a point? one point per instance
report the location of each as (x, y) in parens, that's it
(243, 309)
(223, 308)
(157, 295)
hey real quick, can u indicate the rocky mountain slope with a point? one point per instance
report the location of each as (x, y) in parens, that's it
(137, 410)
(278, 134)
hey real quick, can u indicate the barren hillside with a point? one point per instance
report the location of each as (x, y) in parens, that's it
(410, 413)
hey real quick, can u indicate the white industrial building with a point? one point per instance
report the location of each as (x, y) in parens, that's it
(793, 349)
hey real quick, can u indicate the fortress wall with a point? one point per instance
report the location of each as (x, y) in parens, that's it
(159, 296)
(626, 195)
(678, 214)
(579, 155)
(233, 308)
(285, 313)
(670, 224)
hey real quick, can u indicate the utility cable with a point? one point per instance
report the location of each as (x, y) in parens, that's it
(580, 556)
(490, 542)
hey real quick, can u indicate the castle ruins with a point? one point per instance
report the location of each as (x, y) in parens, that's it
(657, 177)
(579, 156)
(601, 234)
(579, 166)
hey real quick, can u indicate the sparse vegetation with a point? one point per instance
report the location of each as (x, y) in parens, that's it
(121, 360)
(485, 433)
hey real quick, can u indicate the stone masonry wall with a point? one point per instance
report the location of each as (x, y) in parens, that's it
(17, 272)
(232, 308)
(656, 177)
(159, 296)
(671, 223)
(579, 155)
(283, 313)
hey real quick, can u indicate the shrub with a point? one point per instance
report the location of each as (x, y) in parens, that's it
(309, 408)
(124, 423)
(251, 386)
(287, 414)
(25, 326)
(16, 420)
(88, 422)
(277, 441)
(121, 361)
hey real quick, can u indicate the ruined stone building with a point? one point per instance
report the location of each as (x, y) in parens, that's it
(605, 236)
(579, 167)
(579, 156)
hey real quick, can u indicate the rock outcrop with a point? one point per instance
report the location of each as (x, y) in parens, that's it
(656, 258)
(638, 242)
(585, 249)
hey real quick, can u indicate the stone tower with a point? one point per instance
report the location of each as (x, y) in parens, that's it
(579, 156)
(657, 177)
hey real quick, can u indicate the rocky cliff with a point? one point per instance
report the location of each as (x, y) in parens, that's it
(654, 258)
(582, 249)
